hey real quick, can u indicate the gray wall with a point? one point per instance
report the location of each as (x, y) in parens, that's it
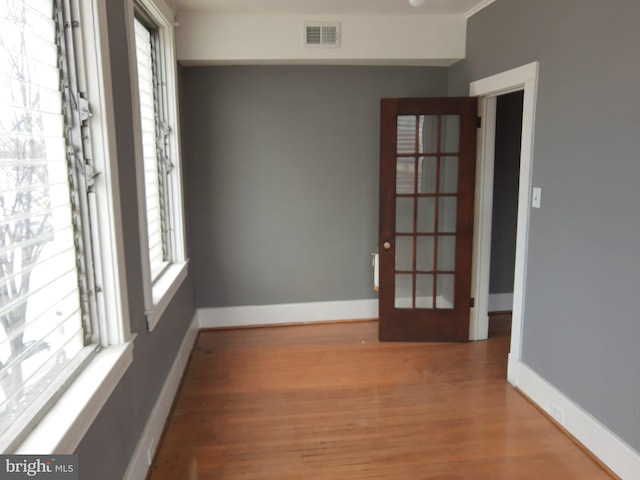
(581, 325)
(282, 178)
(505, 192)
(106, 450)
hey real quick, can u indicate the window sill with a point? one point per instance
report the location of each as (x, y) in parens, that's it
(65, 424)
(164, 290)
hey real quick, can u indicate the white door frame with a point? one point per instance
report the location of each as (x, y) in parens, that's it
(487, 90)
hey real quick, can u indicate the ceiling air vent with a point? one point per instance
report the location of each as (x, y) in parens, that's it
(321, 34)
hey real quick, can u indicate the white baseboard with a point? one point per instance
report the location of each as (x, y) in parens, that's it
(142, 457)
(612, 451)
(500, 302)
(254, 315)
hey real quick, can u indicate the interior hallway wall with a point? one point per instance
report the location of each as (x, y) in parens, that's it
(505, 191)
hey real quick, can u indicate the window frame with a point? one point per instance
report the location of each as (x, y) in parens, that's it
(65, 423)
(159, 292)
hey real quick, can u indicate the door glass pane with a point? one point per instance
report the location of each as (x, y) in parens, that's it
(427, 175)
(444, 291)
(426, 214)
(405, 174)
(404, 253)
(424, 254)
(404, 215)
(447, 214)
(449, 175)
(406, 134)
(404, 291)
(428, 142)
(450, 133)
(446, 253)
(424, 291)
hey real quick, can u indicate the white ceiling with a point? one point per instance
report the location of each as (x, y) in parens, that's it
(332, 7)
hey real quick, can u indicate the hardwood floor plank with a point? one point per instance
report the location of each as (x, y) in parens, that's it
(331, 402)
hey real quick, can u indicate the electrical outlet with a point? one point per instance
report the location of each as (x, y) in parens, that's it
(151, 451)
(557, 413)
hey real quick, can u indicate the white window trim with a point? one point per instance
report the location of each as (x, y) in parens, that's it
(158, 294)
(164, 290)
(61, 430)
(113, 303)
(64, 425)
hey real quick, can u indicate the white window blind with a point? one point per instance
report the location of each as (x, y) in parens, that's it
(151, 151)
(43, 314)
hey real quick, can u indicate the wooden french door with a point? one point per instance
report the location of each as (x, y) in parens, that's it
(427, 179)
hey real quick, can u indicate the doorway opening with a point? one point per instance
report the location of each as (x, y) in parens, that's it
(504, 217)
(525, 79)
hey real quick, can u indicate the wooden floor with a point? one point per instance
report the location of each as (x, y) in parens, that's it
(331, 402)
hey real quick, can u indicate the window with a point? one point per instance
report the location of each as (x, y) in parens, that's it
(155, 131)
(55, 281)
(163, 231)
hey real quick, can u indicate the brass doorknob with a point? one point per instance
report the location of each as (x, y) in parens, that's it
(386, 245)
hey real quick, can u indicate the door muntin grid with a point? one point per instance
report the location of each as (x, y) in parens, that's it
(427, 159)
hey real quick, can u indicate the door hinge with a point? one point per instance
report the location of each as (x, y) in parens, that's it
(473, 302)
(479, 122)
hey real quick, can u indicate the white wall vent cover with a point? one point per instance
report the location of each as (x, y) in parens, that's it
(326, 35)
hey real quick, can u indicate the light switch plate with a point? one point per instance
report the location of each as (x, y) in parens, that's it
(535, 197)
